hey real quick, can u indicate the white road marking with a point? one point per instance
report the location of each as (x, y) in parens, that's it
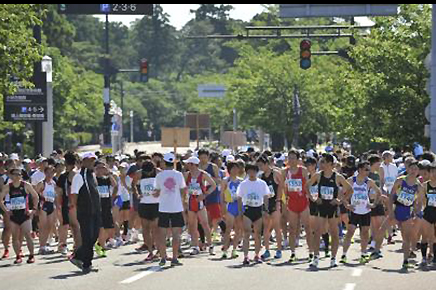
(350, 286)
(357, 272)
(141, 275)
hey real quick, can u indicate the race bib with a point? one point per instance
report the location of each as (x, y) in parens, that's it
(252, 199)
(18, 203)
(359, 199)
(405, 198)
(327, 192)
(147, 188)
(295, 185)
(389, 181)
(103, 191)
(314, 192)
(431, 200)
(194, 189)
(49, 195)
(125, 196)
(271, 190)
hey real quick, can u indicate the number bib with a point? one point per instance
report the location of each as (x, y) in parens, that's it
(49, 195)
(103, 191)
(18, 203)
(194, 189)
(359, 199)
(314, 192)
(147, 189)
(405, 198)
(327, 192)
(271, 190)
(295, 185)
(431, 200)
(252, 199)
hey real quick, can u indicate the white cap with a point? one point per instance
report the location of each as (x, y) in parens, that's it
(388, 152)
(14, 156)
(124, 165)
(310, 153)
(27, 160)
(230, 158)
(89, 155)
(193, 160)
(226, 152)
(169, 157)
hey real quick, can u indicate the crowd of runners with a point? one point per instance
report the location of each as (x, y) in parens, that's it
(223, 199)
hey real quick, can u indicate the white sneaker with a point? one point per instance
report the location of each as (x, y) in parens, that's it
(135, 236)
(119, 242)
(333, 263)
(112, 243)
(315, 262)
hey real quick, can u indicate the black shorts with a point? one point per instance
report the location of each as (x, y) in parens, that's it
(135, 202)
(253, 213)
(125, 205)
(343, 209)
(328, 211)
(65, 215)
(272, 206)
(48, 207)
(148, 211)
(171, 220)
(313, 208)
(364, 220)
(107, 219)
(430, 215)
(379, 210)
(19, 218)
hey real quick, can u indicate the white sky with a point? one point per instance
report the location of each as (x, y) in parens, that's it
(179, 14)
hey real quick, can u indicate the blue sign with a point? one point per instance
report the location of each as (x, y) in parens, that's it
(105, 8)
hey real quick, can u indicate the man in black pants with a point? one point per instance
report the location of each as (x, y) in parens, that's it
(86, 200)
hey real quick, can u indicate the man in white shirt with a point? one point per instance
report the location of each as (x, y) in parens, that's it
(170, 188)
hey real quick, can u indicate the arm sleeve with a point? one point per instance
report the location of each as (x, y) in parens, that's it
(76, 184)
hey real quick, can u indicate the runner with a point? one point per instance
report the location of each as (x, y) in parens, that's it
(360, 209)
(47, 216)
(68, 219)
(347, 171)
(234, 213)
(107, 189)
(124, 187)
(148, 206)
(271, 220)
(328, 201)
(429, 219)
(20, 213)
(295, 178)
(196, 181)
(7, 232)
(254, 193)
(170, 188)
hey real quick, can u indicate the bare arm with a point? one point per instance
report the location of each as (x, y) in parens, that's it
(3, 193)
(30, 190)
(281, 185)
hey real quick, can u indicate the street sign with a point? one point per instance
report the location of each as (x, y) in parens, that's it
(203, 121)
(211, 91)
(336, 10)
(121, 9)
(28, 104)
(175, 137)
(233, 139)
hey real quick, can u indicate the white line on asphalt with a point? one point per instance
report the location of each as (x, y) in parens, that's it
(350, 286)
(357, 272)
(140, 275)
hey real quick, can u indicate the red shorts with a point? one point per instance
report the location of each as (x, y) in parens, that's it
(297, 203)
(214, 211)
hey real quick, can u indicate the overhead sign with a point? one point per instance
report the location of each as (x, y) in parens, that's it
(28, 104)
(336, 10)
(175, 137)
(211, 91)
(134, 9)
(203, 120)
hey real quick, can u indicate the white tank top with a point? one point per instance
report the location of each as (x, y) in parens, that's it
(360, 197)
(123, 192)
(49, 193)
(147, 189)
(391, 173)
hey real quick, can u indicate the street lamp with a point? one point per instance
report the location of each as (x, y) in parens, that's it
(47, 127)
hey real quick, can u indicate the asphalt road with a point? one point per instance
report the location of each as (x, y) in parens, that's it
(124, 269)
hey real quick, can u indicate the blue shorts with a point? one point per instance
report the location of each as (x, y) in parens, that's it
(232, 208)
(402, 213)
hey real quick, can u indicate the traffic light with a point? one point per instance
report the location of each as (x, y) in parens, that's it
(144, 70)
(305, 54)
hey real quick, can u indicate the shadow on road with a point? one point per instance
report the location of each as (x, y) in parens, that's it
(66, 276)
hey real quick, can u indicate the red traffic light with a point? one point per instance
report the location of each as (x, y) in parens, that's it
(144, 66)
(305, 44)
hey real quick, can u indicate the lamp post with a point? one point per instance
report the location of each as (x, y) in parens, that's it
(47, 127)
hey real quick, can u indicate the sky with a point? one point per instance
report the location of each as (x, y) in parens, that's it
(180, 15)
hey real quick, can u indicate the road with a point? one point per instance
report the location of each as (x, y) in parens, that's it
(124, 269)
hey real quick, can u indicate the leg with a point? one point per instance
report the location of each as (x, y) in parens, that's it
(193, 228)
(75, 228)
(293, 219)
(304, 217)
(247, 234)
(176, 241)
(229, 226)
(202, 218)
(7, 232)
(406, 233)
(267, 221)
(26, 229)
(334, 233)
(257, 225)
(347, 241)
(43, 234)
(277, 228)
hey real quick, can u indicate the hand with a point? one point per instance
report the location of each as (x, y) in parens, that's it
(318, 201)
(201, 197)
(31, 213)
(156, 194)
(335, 201)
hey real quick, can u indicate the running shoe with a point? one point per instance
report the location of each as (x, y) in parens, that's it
(343, 259)
(234, 254)
(412, 255)
(293, 258)
(224, 255)
(376, 255)
(278, 254)
(142, 248)
(246, 261)
(327, 254)
(175, 262)
(310, 258)
(98, 250)
(162, 262)
(333, 263)
(181, 254)
(194, 251)
(363, 259)
(31, 259)
(76, 262)
(18, 260)
(103, 253)
(265, 255)
(257, 259)
(407, 265)
(211, 251)
(315, 262)
(5, 255)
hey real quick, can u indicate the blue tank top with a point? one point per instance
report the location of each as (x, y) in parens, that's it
(233, 187)
(214, 197)
(406, 195)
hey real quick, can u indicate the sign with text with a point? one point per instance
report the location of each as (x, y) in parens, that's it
(121, 9)
(211, 91)
(28, 104)
(336, 10)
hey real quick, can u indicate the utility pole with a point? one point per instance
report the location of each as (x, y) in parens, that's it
(131, 126)
(37, 67)
(106, 90)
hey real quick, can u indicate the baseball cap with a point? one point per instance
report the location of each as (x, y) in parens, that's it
(230, 158)
(27, 160)
(14, 156)
(226, 152)
(89, 155)
(388, 152)
(424, 164)
(169, 157)
(193, 160)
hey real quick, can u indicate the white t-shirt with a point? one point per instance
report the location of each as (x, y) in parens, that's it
(252, 192)
(37, 177)
(170, 182)
(391, 173)
(77, 182)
